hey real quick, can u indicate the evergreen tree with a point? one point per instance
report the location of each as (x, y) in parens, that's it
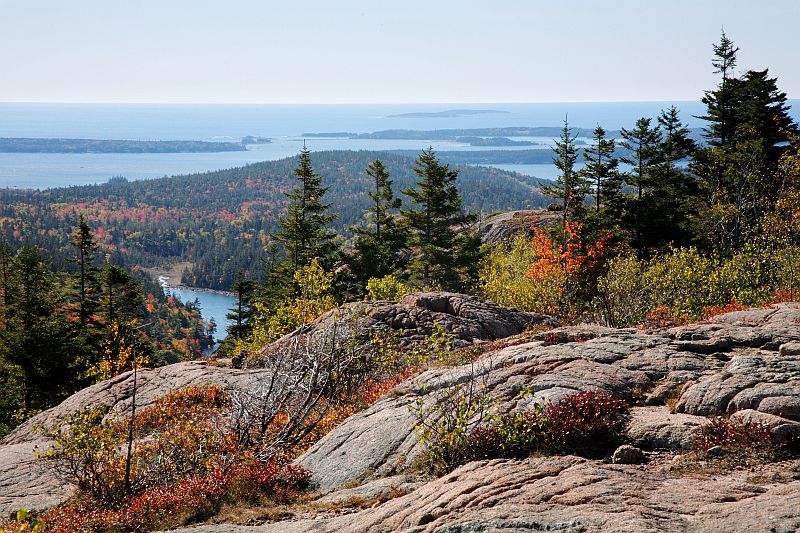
(642, 142)
(241, 314)
(665, 215)
(86, 277)
(441, 252)
(37, 336)
(303, 232)
(570, 186)
(601, 168)
(122, 296)
(378, 246)
(675, 145)
(721, 102)
(5, 274)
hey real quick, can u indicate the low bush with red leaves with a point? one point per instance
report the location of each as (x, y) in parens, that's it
(588, 423)
(732, 434)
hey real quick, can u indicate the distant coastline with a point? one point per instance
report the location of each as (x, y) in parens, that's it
(106, 146)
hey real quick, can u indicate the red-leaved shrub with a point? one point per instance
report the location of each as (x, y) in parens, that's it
(588, 423)
(732, 434)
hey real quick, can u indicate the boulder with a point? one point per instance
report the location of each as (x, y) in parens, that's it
(467, 318)
(628, 455)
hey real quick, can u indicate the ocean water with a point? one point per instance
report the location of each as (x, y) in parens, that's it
(284, 124)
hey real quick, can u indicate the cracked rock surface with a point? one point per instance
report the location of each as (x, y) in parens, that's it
(27, 481)
(744, 364)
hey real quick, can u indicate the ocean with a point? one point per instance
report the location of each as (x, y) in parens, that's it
(284, 124)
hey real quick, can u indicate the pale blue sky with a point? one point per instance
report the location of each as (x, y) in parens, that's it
(343, 51)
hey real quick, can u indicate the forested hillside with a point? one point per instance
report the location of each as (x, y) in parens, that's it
(220, 221)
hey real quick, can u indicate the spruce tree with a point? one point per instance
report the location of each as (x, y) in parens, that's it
(721, 102)
(378, 246)
(86, 277)
(37, 336)
(241, 314)
(601, 168)
(676, 144)
(441, 252)
(122, 299)
(665, 216)
(304, 231)
(642, 143)
(570, 186)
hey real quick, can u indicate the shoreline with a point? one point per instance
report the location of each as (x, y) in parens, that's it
(163, 280)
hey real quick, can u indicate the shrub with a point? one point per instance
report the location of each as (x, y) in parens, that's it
(389, 287)
(624, 293)
(444, 423)
(545, 274)
(509, 435)
(732, 434)
(588, 423)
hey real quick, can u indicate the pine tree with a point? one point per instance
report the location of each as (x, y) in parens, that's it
(303, 232)
(86, 277)
(241, 314)
(664, 216)
(642, 143)
(676, 145)
(601, 168)
(440, 250)
(378, 246)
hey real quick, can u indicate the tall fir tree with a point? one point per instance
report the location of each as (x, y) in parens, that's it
(122, 299)
(244, 289)
(570, 186)
(666, 215)
(642, 144)
(442, 246)
(676, 143)
(304, 231)
(85, 279)
(601, 168)
(721, 102)
(378, 246)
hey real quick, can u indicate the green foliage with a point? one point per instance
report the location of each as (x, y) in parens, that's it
(688, 285)
(441, 255)
(377, 247)
(503, 277)
(25, 522)
(571, 186)
(314, 298)
(389, 287)
(304, 231)
(444, 419)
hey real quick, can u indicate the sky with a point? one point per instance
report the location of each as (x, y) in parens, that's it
(379, 51)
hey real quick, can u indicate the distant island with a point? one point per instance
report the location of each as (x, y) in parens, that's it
(251, 139)
(449, 113)
(105, 146)
(493, 141)
(454, 134)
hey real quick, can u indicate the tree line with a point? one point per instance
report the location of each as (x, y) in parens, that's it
(60, 332)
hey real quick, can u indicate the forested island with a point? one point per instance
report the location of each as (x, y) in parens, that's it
(453, 134)
(110, 146)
